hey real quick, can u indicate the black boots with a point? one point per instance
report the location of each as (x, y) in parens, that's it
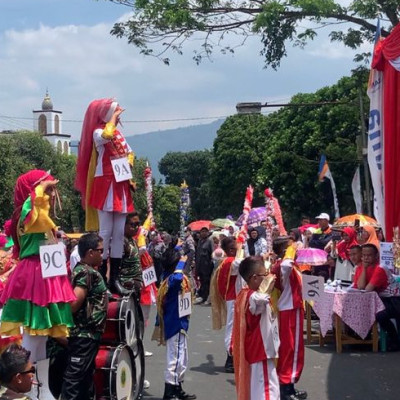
(182, 395)
(170, 392)
(103, 270)
(229, 364)
(175, 392)
(114, 284)
(288, 392)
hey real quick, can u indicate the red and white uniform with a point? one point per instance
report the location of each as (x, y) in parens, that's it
(107, 194)
(227, 284)
(291, 317)
(261, 346)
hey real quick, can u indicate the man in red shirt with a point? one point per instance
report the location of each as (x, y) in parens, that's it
(370, 276)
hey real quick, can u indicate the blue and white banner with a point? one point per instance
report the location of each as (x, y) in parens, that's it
(375, 140)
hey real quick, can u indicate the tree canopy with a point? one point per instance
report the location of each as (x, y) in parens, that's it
(194, 167)
(157, 27)
(22, 151)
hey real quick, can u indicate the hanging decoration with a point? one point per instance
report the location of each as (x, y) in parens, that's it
(269, 206)
(246, 210)
(148, 176)
(184, 207)
(278, 217)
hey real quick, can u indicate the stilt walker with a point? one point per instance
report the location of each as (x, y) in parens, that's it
(104, 179)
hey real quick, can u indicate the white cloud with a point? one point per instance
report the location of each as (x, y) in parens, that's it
(79, 63)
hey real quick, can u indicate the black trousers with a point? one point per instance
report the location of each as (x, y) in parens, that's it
(204, 274)
(391, 311)
(78, 377)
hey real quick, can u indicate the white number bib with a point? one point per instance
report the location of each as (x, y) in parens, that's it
(149, 276)
(185, 304)
(53, 260)
(313, 287)
(122, 169)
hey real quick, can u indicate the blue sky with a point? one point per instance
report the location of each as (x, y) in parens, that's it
(65, 46)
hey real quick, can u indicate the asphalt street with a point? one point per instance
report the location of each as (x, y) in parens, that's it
(356, 374)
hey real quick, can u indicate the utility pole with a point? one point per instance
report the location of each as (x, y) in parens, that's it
(364, 143)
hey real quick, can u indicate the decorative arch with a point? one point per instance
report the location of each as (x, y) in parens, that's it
(43, 124)
(59, 146)
(66, 146)
(56, 124)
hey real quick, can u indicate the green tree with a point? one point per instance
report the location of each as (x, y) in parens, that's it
(139, 197)
(22, 151)
(301, 135)
(238, 156)
(194, 167)
(159, 26)
(166, 207)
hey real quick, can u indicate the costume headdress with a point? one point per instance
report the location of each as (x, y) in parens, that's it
(25, 187)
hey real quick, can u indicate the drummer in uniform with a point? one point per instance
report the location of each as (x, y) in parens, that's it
(90, 312)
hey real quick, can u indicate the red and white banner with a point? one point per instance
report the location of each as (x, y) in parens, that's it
(387, 62)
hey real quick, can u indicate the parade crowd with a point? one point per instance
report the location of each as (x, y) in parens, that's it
(253, 285)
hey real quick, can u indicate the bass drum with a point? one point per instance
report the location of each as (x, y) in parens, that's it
(123, 321)
(139, 370)
(115, 373)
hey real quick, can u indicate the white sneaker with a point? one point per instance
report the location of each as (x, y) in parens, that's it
(148, 353)
(198, 300)
(146, 384)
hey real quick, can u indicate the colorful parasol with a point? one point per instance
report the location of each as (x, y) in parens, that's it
(197, 225)
(256, 215)
(311, 256)
(222, 223)
(350, 220)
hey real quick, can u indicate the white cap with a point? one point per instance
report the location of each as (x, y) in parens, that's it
(323, 216)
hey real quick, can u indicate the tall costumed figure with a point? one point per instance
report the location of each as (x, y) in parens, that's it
(40, 305)
(104, 179)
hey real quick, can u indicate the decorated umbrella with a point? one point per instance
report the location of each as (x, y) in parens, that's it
(256, 215)
(350, 220)
(197, 225)
(222, 222)
(311, 256)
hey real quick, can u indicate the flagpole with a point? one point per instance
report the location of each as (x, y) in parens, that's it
(365, 155)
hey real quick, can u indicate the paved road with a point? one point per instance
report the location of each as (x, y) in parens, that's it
(356, 374)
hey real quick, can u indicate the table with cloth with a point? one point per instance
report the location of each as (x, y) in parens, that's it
(355, 309)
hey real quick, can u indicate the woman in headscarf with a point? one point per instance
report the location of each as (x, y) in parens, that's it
(40, 306)
(349, 240)
(106, 200)
(255, 244)
(368, 235)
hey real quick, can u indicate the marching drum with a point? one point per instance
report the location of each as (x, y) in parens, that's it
(123, 321)
(115, 373)
(139, 370)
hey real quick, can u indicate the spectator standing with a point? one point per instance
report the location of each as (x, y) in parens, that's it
(323, 235)
(255, 244)
(204, 264)
(189, 250)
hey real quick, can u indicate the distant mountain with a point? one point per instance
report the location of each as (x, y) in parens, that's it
(154, 145)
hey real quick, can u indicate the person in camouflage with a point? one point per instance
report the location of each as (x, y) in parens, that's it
(130, 273)
(16, 373)
(90, 313)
